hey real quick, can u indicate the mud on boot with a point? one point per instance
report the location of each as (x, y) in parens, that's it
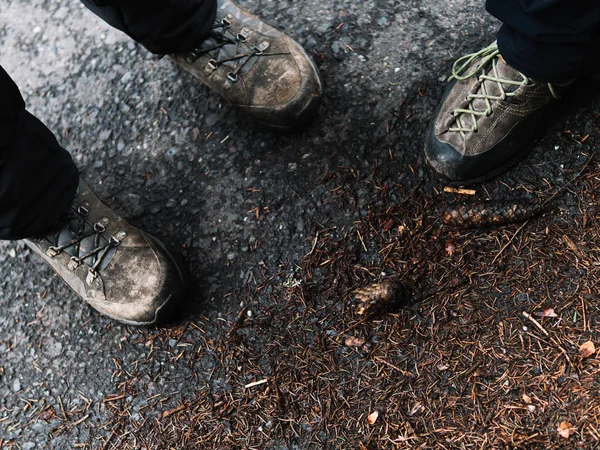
(256, 68)
(118, 269)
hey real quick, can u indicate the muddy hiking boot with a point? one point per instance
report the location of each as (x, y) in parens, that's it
(488, 119)
(256, 68)
(119, 270)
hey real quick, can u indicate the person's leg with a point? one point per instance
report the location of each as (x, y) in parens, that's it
(250, 64)
(549, 40)
(163, 27)
(37, 176)
(496, 107)
(119, 270)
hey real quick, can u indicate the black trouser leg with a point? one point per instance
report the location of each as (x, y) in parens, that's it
(163, 27)
(549, 40)
(38, 178)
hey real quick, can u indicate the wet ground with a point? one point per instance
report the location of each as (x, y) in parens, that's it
(278, 230)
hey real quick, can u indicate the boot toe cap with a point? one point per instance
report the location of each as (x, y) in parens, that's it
(150, 281)
(290, 99)
(446, 161)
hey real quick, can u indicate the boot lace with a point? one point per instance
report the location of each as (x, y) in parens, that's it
(240, 53)
(100, 251)
(507, 87)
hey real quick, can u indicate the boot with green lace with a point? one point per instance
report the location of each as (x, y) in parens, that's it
(118, 269)
(488, 120)
(256, 68)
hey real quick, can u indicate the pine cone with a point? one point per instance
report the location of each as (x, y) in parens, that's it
(491, 213)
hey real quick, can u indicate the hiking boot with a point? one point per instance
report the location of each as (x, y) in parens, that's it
(488, 119)
(119, 270)
(253, 66)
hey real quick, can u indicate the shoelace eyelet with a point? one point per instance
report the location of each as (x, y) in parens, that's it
(212, 64)
(53, 252)
(100, 226)
(84, 209)
(232, 77)
(242, 36)
(91, 276)
(74, 263)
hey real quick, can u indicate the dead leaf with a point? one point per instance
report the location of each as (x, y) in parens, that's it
(450, 248)
(354, 341)
(372, 418)
(361, 446)
(526, 398)
(441, 367)
(387, 225)
(548, 312)
(565, 429)
(586, 350)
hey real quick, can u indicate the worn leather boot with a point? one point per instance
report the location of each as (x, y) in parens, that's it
(488, 119)
(253, 66)
(119, 270)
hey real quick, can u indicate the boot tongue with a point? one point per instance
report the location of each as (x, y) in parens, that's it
(77, 226)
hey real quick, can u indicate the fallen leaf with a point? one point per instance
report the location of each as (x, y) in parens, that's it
(361, 446)
(196, 133)
(526, 398)
(442, 367)
(354, 341)
(450, 248)
(587, 349)
(565, 429)
(548, 312)
(372, 418)
(387, 225)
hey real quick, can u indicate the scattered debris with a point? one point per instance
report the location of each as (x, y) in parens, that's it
(372, 418)
(175, 410)
(256, 383)
(387, 225)
(416, 409)
(565, 429)
(548, 312)
(384, 297)
(536, 323)
(587, 349)
(450, 248)
(354, 341)
(482, 214)
(453, 190)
